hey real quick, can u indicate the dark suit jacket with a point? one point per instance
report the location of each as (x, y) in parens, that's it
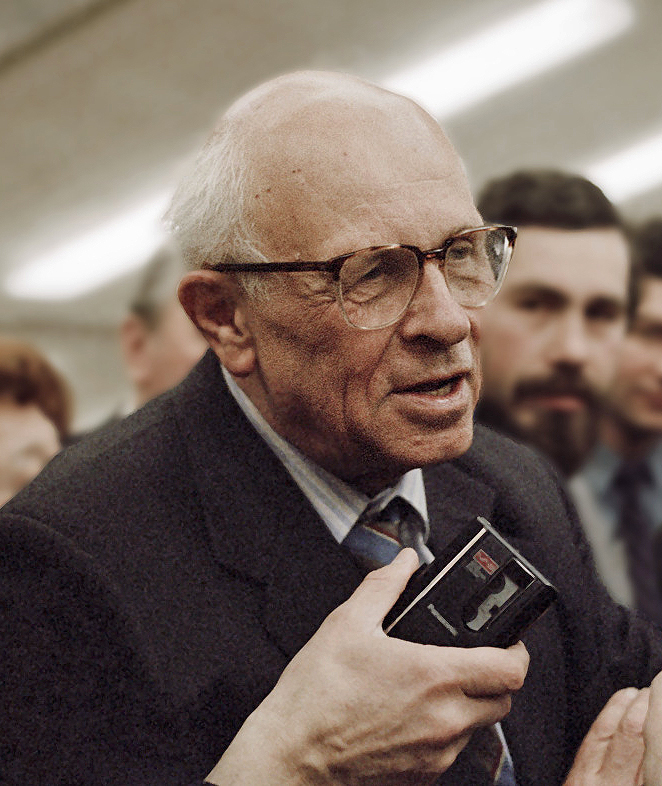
(158, 576)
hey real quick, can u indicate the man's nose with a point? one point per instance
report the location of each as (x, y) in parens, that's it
(433, 312)
(569, 341)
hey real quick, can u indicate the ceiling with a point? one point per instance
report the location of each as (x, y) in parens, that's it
(102, 102)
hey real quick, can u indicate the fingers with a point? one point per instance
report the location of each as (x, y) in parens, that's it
(489, 671)
(485, 711)
(626, 751)
(593, 749)
(466, 688)
(653, 735)
(377, 593)
(486, 672)
(404, 708)
(480, 672)
(612, 751)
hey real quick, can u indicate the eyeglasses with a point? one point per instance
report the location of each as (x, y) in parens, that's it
(376, 285)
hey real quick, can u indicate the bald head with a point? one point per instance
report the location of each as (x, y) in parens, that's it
(318, 152)
(322, 148)
(295, 106)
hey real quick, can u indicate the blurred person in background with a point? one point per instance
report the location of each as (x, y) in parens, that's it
(35, 414)
(549, 339)
(619, 490)
(160, 344)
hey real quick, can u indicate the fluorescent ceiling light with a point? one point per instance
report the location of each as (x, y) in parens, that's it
(91, 260)
(511, 51)
(630, 172)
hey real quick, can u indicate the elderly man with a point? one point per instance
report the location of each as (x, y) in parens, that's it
(185, 590)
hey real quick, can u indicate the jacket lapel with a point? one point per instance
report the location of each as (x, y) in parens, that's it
(259, 522)
(454, 499)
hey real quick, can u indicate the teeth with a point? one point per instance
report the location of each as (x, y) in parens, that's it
(443, 390)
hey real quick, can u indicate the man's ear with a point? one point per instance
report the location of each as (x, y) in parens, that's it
(216, 306)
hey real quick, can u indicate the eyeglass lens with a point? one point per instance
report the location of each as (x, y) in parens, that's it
(376, 286)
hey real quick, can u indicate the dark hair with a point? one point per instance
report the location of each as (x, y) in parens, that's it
(546, 198)
(28, 378)
(646, 245)
(158, 285)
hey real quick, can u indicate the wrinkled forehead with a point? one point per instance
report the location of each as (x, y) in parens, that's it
(326, 151)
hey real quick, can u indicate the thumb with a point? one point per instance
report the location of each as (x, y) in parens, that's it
(603, 746)
(376, 594)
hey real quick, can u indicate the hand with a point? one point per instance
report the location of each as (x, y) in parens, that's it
(653, 735)
(613, 750)
(358, 707)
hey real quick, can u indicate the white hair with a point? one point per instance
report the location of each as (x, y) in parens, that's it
(207, 214)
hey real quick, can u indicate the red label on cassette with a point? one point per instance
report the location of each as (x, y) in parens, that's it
(485, 561)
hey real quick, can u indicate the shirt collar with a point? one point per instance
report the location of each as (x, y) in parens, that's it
(338, 503)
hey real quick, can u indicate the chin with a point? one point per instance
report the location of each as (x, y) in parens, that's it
(382, 465)
(456, 446)
(422, 451)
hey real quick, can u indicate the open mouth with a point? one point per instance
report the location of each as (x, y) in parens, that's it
(435, 387)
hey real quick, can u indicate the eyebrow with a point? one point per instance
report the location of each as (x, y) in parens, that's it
(557, 296)
(538, 290)
(456, 231)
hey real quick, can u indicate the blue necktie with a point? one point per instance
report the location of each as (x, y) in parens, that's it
(375, 540)
(488, 749)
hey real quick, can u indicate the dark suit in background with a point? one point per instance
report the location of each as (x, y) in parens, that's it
(142, 623)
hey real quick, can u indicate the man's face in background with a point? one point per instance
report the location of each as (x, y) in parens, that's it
(549, 339)
(157, 357)
(635, 399)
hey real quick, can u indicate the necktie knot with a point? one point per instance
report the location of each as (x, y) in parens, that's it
(379, 535)
(398, 519)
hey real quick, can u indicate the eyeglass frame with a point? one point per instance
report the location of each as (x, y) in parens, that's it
(335, 264)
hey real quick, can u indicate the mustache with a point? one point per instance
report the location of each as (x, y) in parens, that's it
(560, 384)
